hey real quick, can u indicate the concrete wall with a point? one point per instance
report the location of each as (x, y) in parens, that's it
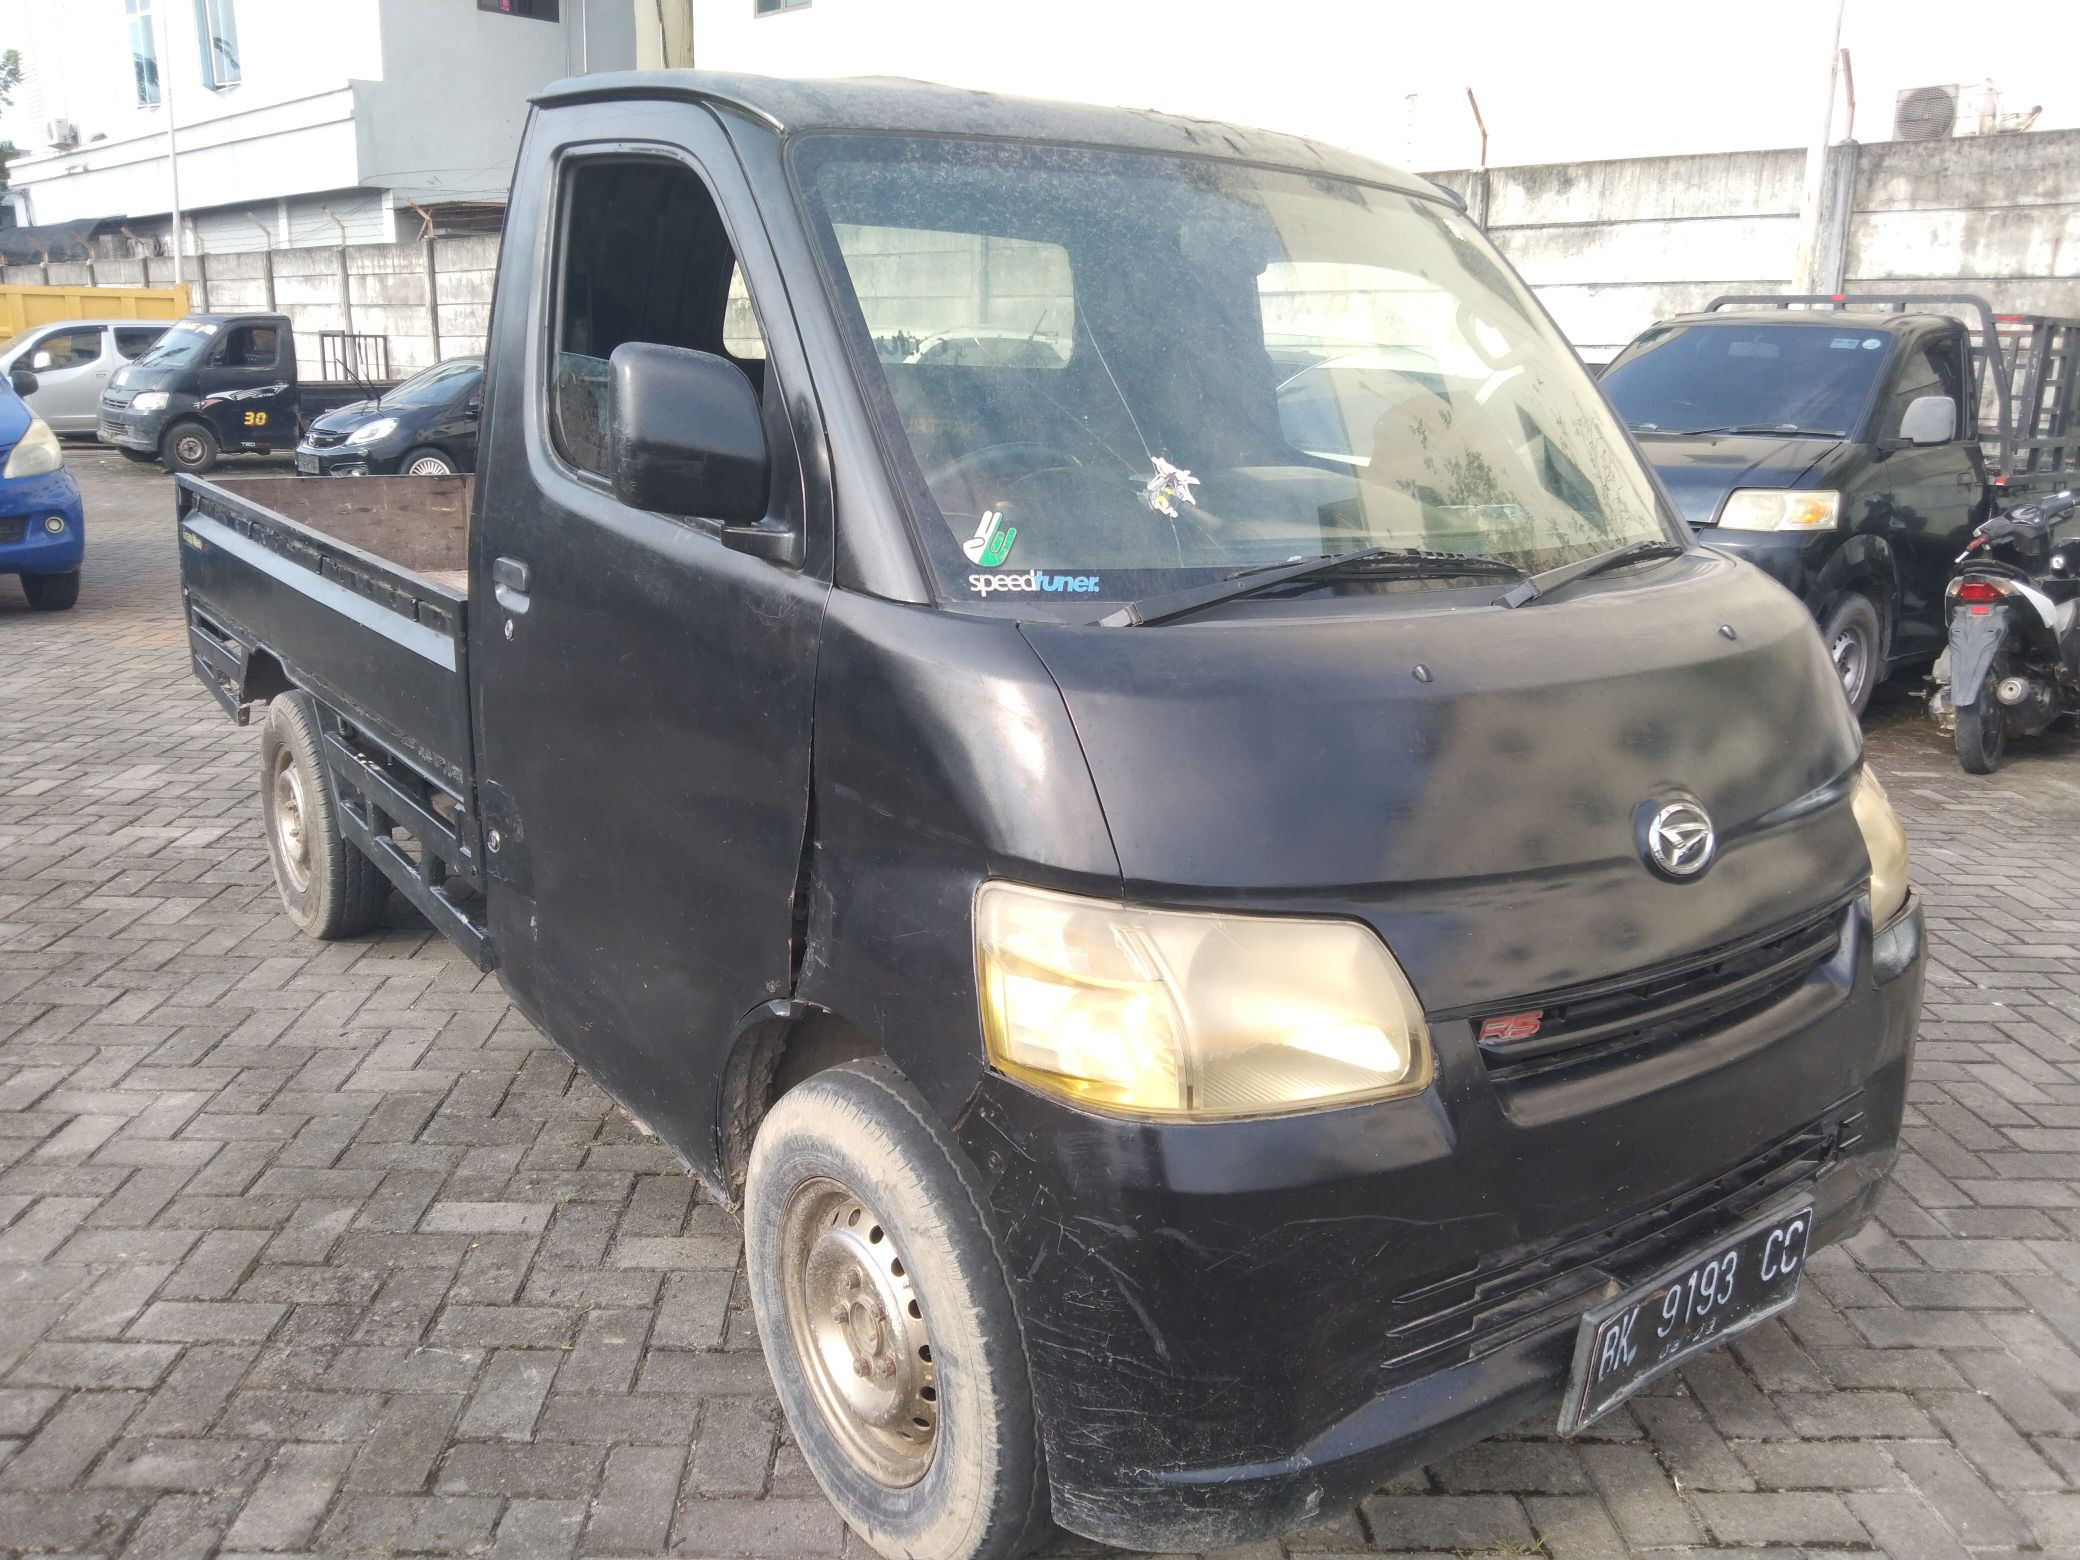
(1613, 246)
(429, 302)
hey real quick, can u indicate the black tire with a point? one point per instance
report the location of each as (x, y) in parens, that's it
(427, 456)
(51, 592)
(860, 1132)
(1982, 733)
(328, 887)
(189, 447)
(1855, 640)
(142, 457)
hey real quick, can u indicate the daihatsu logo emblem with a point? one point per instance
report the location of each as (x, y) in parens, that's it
(1680, 839)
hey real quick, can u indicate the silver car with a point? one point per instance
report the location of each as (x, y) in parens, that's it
(72, 361)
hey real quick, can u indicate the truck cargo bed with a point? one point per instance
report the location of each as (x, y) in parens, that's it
(356, 592)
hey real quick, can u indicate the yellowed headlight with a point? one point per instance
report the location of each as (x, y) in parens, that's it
(1185, 1014)
(1887, 843)
(1779, 509)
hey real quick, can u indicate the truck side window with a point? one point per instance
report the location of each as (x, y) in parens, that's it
(1930, 369)
(644, 257)
(249, 346)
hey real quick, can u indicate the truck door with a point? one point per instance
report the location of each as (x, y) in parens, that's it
(249, 396)
(643, 691)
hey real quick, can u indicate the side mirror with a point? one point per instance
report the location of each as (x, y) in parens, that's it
(686, 436)
(23, 383)
(40, 360)
(1929, 419)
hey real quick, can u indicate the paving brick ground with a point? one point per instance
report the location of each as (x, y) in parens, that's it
(324, 1250)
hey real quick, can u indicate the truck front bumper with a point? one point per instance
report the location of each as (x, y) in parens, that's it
(132, 430)
(28, 506)
(1239, 1328)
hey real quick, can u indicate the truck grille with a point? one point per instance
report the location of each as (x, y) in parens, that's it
(1585, 1023)
(12, 529)
(1490, 1305)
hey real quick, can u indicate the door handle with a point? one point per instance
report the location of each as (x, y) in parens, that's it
(509, 578)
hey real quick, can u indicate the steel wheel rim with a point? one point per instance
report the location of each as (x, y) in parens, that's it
(429, 466)
(858, 1332)
(187, 449)
(1850, 659)
(292, 823)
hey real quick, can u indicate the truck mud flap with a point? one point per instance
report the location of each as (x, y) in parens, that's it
(378, 796)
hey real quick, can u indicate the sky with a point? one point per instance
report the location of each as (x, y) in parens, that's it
(1558, 80)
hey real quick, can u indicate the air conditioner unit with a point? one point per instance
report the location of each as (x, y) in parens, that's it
(1925, 113)
(62, 134)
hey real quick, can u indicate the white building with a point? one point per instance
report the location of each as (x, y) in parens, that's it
(297, 122)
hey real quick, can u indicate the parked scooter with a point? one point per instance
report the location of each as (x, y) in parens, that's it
(2013, 609)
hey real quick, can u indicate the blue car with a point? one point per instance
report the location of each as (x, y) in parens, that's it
(43, 529)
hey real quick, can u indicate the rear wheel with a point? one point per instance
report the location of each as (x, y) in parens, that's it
(426, 462)
(888, 1324)
(328, 887)
(1982, 733)
(1853, 637)
(189, 447)
(51, 592)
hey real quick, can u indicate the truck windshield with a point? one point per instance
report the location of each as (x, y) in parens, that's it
(184, 343)
(1734, 377)
(1109, 375)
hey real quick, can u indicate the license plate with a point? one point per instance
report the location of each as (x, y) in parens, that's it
(1706, 1298)
(307, 464)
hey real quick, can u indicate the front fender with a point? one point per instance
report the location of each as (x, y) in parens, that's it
(1863, 561)
(1975, 639)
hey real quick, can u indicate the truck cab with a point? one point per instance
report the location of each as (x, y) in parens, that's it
(1228, 929)
(1835, 449)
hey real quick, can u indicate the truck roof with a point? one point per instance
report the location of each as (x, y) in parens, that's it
(892, 104)
(1849, 319)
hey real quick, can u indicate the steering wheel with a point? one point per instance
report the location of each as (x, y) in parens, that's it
(998, 465)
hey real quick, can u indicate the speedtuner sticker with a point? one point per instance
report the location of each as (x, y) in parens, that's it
(1035, 580)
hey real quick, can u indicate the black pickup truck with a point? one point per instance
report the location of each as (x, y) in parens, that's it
(1230, 928)
(217, 384)
(1848, 445)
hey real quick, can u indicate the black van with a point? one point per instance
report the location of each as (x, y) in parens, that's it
(1230, 929)
(1848, 445)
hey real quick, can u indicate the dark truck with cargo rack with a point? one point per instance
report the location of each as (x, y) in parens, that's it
(1849, 444)
(218, 384)
(1226, 937)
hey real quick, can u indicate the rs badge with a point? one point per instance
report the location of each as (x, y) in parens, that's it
(1511, 1026)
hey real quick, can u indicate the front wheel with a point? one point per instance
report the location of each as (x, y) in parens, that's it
(888, 1324)
(1853, 636)
(1982, 734)
(189, 447)
(426, 462)
(51, 592)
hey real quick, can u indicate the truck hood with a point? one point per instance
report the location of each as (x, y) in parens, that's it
(1483, 820)
(1699, 470)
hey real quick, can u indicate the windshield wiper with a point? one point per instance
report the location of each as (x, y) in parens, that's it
(1545, 582)
(1786, 430)
(1399, 562)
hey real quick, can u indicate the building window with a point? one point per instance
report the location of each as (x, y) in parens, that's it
(537, 10)
(144, 50)
(775, 7)
(216, 28)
